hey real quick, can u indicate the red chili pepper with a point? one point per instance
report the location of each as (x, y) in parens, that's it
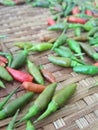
(51, 21)
(37, 88)
(3, 59)
(2, 64)
(74, 19)
(47, 74)
(89, 12)
(19, 75)
(75, 10)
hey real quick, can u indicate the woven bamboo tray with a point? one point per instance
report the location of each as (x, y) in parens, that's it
(24, 23)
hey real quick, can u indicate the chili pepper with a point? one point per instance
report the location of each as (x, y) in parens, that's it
(47, 74)
(93, 41)
(29, 126)
(86, 69)
(84, 16)
(35, 72)
(3, 59)
(58, 100)
(75, 47)
(92, 31)
(60, 40)
(12, 122)
(3, 36)
(74, 19)
(62, 61)
(18, 103)
(41, 47)
(96, 35)
(77, 31)
(20, 75)
(37, 88)
(95, 64)
(6, 99)
(89, 50)
(51, 21)
(74, 25)
(2, 64)
(2, 84)
(81, 38)
(44, 4)
(20, 59)
(75, 10)
(40, 102)
(89, 12)
(8, 2)
(4, 74)
(23, 44)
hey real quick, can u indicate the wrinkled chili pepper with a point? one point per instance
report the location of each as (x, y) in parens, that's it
(41, 47)
(89, 50)
(11, 124)
(29, 125)
(74, 45)
(23, 44)
(20, 59)
(2, 85)
(41, 102)
(4, 74)
(35, 72)
(58, 100)
(62, 61)
(86, 69)
(20, 75)
(47, 74)
(18, 103)
(6, 99)
(60, 40)
(50, 21)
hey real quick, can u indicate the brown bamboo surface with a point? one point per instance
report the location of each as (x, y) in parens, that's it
(24, 23)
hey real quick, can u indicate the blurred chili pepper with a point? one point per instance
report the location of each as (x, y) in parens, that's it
(86, 69)
(93, 41)
(78, 32)
(75, 10)
(74, 19)
(18, 103)
(2, 84)
(20, 59)
(29, 126)
(89, 50)
(35, 72)
(73, 25)
(41, 47)
(47, 74)
(32, 87)
(41, 3)
(89, 12)
(81, 38)
(8, 2)
(41, 102)
(6, 99)
(51, 21)
(23, 44)
(4, 74)
(3, 59)
(20, 75)
(2, 64)
(95, 64)
(58, 100)
(92, 31)
(11, 124)
(74, 45)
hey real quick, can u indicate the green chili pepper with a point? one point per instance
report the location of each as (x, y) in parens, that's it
(18, 103)
(12, 122)
(4, 74)
(23, 44)
(35, 72)
(41, 47)
(8, 2)
(60, 40)
(59, 100)
(93, 41)
(78, 32)
(75, 47)
(20, 59)
(41, 3)
(96, 35)
(89, 50)
(86, 69)
(92, 31)
(29, 126)
(83, 15)
(3, 36)
(73, 25)
(41, 102)
(6, 99)
(57, 27)
(2, 85)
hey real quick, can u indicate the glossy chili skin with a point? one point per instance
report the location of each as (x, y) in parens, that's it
(18, 103)
(59, 99)
(41, 102)
(4, 74)
(89, 50)
(86, 69)
(35, 72)
(20, 59)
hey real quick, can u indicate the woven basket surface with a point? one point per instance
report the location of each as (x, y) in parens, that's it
(24, 23)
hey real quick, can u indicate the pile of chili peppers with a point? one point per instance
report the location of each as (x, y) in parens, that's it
(70, 52)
